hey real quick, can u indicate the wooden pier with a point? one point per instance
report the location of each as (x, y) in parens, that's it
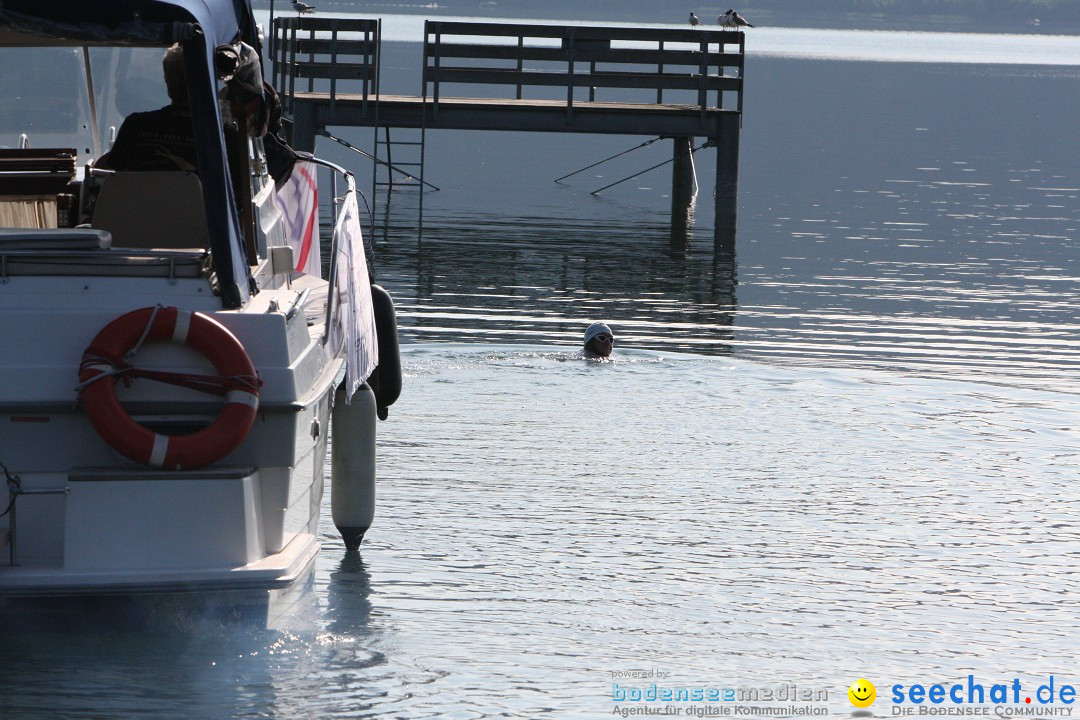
(677, 84)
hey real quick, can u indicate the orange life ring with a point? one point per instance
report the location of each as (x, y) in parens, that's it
(238, 383)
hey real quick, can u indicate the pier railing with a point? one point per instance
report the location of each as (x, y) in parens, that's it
(573, 64)
(329, 55)
(618, 59)
(645, 81)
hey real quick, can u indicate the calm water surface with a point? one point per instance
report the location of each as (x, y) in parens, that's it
(916, 217)
(843, 448)
(545, 522)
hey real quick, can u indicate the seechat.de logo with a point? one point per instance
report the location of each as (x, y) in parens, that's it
(862, 693)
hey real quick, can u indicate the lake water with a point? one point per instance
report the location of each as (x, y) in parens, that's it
(843, 448)
(918, 217)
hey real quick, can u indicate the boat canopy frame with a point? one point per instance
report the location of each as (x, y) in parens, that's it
(200, 26)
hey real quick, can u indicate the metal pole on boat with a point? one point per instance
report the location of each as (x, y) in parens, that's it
(93, 102)
(334, 196)
(271, 53)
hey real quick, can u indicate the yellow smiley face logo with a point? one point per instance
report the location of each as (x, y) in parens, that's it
(862, 693)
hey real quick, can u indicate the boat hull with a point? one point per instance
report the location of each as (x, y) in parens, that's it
(165, 606)
(87, 521)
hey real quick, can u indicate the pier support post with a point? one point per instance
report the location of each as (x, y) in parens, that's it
(684, 188)
(682, 228)
(684, 193)
(727, 179)
(683, 177)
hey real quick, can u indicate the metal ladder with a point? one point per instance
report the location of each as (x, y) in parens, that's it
(409, 171)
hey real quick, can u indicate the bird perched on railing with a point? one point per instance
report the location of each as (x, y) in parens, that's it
(302, 8)
(732, 19)
(694, 22)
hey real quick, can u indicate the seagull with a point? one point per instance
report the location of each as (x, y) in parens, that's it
(302, 8)
(694, 22)
(733, 19)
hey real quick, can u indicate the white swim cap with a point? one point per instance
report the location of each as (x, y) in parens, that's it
(595, 329)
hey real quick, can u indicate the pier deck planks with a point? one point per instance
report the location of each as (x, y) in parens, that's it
(526, 115)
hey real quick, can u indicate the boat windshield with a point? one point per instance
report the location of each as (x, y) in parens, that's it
(48, 101)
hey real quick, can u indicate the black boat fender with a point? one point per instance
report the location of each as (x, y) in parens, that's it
(385, 380)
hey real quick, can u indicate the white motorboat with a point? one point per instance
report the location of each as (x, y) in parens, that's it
(168, 377)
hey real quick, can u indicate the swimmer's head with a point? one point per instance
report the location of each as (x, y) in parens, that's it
(599, 339)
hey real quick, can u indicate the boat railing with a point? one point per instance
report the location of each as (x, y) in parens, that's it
(340, 216)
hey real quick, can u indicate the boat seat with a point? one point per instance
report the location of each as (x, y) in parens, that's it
(152, 209)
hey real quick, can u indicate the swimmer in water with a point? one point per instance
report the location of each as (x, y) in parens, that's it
(599, 340)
